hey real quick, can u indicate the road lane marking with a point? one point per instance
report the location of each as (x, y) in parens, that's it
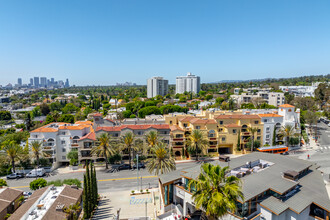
(17, 187)
(127, 178)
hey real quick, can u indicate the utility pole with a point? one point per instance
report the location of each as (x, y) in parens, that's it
(137, 166)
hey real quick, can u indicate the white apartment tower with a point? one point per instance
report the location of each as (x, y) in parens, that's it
(157, 86)
(189, 83)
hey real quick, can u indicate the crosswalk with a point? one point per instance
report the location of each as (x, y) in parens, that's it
(325, 148)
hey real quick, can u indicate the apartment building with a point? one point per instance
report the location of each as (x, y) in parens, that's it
(302, 91)
(9, 201)
(226, 133)
(60, 138)
(48, 203)
(157, 86)
(271, 98)
(274, 187)
(189, 83)
(139, 131)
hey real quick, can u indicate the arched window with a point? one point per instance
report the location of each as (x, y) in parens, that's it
(244, 128)
(75, 139)
(211, 133)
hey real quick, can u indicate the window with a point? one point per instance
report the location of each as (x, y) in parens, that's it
(258, 130)
(220, 129)
(63, 150)
(198, 127)
(256, 122)
(63, 157)
(267, 129)
(234, 131)
(223, 139)
(265, 120)
(170, 122)
(258, 138)
(221, 122)
(115, 135)
(62, 132)
(185, 125)
(62, 142)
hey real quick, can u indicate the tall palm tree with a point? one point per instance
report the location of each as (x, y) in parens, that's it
(287, 131)
(13, 151)
(214, 192)
(152, 139)
(198, 140)
(162, 162)
(128, 143)
(252, 131)
(103, 148)
(72, 211)
(36, 148)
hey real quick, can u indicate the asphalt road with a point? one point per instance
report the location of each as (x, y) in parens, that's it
(320, 155)
(107, 182)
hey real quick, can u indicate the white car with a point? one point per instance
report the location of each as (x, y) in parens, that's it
(36, 173)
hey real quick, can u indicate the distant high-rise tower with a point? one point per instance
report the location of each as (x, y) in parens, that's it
(157, 86)
(67, 85)
(43, 81)
(31, 82)
(19, 81)
(189, 83)
(36, 82)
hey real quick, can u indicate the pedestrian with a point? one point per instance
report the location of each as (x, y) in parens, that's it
(308, 156)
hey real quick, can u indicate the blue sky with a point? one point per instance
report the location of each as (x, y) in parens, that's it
(104, 42)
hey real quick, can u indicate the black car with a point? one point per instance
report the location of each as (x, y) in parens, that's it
(124, 167)
(141, 165)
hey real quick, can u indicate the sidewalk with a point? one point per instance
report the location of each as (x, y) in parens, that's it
(62, 170)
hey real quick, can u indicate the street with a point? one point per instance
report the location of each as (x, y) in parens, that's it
(107, 182)
(321, 153)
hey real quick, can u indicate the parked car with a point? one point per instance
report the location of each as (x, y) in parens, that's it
(36, 173)
(15, 176)
(140, 165)
(27, 194)
(124, 166)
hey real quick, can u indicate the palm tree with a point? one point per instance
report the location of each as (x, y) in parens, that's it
(152, 139)
(214, 192)
(198, 140)
(253, 131)
(103, 149)
(36, 147)
(128, 143)
(56, 115)
(13, 151)
(72, 211)
(287, 131)
(162, 162)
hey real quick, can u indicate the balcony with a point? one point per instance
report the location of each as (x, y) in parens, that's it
(178, 139)
(48, 148)
(245, 133)
(212, 138)
(74, 145)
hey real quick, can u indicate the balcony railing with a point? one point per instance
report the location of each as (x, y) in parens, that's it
(178, 139)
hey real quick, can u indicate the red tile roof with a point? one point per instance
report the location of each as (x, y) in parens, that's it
(89, 136)
(286, 106)
(97, 115)
(269, 115)
(134, 127)
(186, 119)
(237, 117)
(203, 121)
(175, 128)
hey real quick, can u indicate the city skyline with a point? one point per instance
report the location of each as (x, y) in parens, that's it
(109, 42)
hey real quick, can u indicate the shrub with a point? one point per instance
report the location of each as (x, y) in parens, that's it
(132, 191)
(3, 182)
(38, 183)
(66, 182)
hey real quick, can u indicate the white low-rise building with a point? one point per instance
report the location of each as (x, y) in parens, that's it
(59, 138)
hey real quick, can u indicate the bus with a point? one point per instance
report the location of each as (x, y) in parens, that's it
(279, 149)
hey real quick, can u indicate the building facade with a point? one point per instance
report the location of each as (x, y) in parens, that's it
(189, 83)
(59, 138)
(226, 134)
(157, 86)
(271, 98)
